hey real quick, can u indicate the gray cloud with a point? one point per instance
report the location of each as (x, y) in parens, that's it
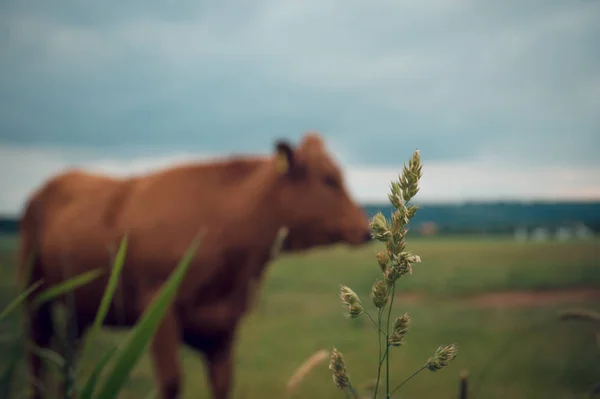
(458, 80)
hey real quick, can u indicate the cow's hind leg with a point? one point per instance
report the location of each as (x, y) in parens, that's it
(40, 332)
(220, 367)
(165, 352)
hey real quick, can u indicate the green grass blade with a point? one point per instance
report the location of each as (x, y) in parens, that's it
(50, 356)
(19, 300)
(88, 388)
(111, 287)
(67, 286)
(128, 356)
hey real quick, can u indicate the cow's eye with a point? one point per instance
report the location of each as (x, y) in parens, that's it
(331, 182)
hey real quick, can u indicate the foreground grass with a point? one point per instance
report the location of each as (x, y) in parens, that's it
(300, 313)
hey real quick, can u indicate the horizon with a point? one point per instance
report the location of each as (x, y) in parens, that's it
(443, 204)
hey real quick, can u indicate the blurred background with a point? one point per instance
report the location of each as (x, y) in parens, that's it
(501, 99)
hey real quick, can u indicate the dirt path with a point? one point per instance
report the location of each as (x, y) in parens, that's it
(511, 299)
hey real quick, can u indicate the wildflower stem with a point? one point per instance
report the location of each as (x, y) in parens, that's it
(409, 378)
(380, 314)
(376, 325)
(387, 345)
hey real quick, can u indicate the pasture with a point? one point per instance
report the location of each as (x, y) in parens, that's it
(497, 299)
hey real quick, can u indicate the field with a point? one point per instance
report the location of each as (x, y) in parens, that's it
(497, 299)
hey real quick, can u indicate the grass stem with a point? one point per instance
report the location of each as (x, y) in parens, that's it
(387, 345)
(378, 325)
(379, 358)
(408, 379)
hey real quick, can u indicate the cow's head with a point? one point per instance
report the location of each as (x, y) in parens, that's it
(316, 205)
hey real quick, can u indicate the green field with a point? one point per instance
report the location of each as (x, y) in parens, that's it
(448, 297)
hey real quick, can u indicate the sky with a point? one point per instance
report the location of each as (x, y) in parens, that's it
(501, 98)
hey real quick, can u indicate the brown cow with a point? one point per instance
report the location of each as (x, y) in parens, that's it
(76, 217)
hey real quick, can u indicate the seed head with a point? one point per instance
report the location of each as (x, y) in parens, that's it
(395, 195)
(348, 296)
(379, 227)
(403, 263)
(390, 276)
(411, 258)
(412, 210)
(379, 294)
(400, 329)
(400, 216)
(382, 258)
(352, 301)
(402, 267)
(355, 310)
(409, 181)
(338, 367)
(442, 357)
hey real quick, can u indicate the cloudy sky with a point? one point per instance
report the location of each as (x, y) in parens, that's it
(502, 98)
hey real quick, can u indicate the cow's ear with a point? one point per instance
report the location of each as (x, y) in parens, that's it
(284, 157)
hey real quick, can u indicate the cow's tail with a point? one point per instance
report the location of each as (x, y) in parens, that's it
(37, 322)
(29, 265)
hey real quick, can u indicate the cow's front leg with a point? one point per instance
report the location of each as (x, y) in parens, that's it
(220, 366)
(165, 353)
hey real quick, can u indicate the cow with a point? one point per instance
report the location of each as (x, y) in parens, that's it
(72, 221)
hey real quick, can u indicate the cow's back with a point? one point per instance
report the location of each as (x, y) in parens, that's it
(166, 210)
(74, 210)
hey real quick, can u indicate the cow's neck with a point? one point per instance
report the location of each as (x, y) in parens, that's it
(263, 211)
(265, 216)
(249, 258)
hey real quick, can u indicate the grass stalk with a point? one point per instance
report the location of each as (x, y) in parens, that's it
(379, 358)
(387, 345)
(408, 379)
(394, 263)
(376, 324)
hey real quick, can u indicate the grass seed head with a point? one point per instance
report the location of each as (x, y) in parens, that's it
(355, 310)
(383, 259)
(442, 357)
(351, 300)
(400, 329)
(338, 367)
(348, 296)
(379, 294)
(379, 227)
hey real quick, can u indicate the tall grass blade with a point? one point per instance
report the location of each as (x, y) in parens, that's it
(19, 300)
(90, 385)
(143, 332)
(51, 357)
(67, 286)
(111, 286)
